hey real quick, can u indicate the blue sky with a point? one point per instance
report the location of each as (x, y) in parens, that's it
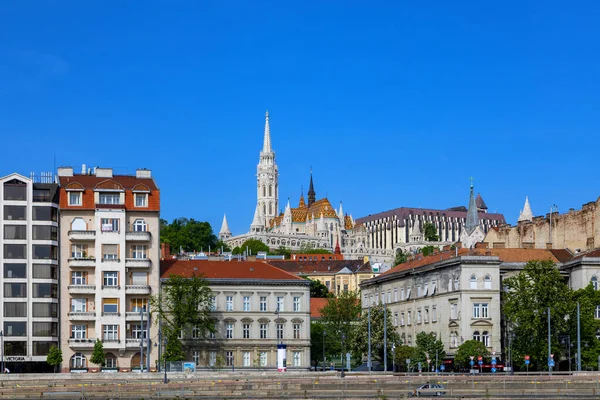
(391, 103)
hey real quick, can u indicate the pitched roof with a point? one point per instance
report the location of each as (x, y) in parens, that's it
(237, 270)
(403, 213)
(479, 202)
(316, 305)
(321, 267)
(128, 182)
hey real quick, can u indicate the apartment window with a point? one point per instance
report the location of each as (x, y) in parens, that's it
(110, 252)
(477, 336)
(296, 304)
(395, 295)
(213, 334)
(78, 305)
(196, 357)
(137, 305)
(41, 195)
(213, 304)
(15, 348)
(139, 331)
(15, 290)
(597, 312)
(212, 358)
(110, 306)
(139, 279)
(111, 279)
(473, 282)
(279, 331)
(78, 250)
(296, 331)
(15, 232)
(110, 361)
(409, 318)
(45, 232)
(15, 190)
(418, 316)
(139, 225)
(45, 329)
(109, 198)
(484, 310)
(263, 331)
(15, 270)
(45, 290)
(195, 332)
(419, 291)
(453, 339)
(15, 310)
(246, 303)
(476, 310)
(409, 341)
(45, 213)
(109, 224)
(78, 331)
(485, 338)
(110, 332)
(78, 361)
(595, 282)
(229, 358)
(434, 314)
(74, 198)
(138, 251)
(328, 285)
(263, 303)
(45, 310)
(280, 304)
(401, 319)
(487, 282)
(141, 200)
(389, 297)
(14, 328)
(246, 358)
(426, 316)
(263, 358)
(246, 331)
(229, 303)
(45, 271)
(453, 311)
(395, 318)
(296, 358)
(402, 294)
(14, 213)
(456, 283)
(18, 251)
(78, 278)
(45, 252)
(229, 330)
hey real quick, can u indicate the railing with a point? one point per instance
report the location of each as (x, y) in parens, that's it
(82, 261)
(81, 288)
(137, 289)
(138, 262)
(82, 235)
(82, 315)
(142, 236)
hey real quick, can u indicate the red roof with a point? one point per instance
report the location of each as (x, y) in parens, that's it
(225, 270)
(316, 305)
(90, 181)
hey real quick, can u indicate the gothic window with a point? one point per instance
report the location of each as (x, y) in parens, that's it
(264, 209)
(487, 282)
(473, 282)
(264, 191)
(270, 190)
(270, 208)
(595, 282)
(485, 338)
(476, 336)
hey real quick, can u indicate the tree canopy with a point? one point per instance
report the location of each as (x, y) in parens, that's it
(183, 305)
(318, 290)
(470, 348)
(430, 232)
(339, 315)
(188, 235)
(360, 338)
(427, 250)
(54, 357)
(428, 345)
(98, 356)
(401, 257)
(252, 245)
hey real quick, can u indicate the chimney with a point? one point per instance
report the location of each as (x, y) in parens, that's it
(143, 173)
(83, 169)
(65, 171)
(104, 172)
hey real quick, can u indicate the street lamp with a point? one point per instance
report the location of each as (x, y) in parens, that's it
(343, 351)
(324, 332)
(165, 356)
(2, 349)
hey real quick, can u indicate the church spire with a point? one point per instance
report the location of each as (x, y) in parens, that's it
(311, 191)
(472, 217)
(267, 139)
(526, 214)
(224, 233)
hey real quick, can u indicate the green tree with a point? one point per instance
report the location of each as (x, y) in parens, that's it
(529, 294)
(470, 348)
(282, 251)
(401, 257)
(339, 316)
(403, 353)
(98, 356)
(317, 289)
(360, 338)
(427, 250)
(221, 245)
(430, 232)
(588, 299)
(428, 345)
(188, 235)
(308, 248)
(54, 357)
(219, 362)
(183, 304)
(322, 343)
(253, 246)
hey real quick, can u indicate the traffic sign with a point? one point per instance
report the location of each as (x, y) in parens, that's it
(493, 361)
(472, 363)
(493, 369)
(428, 361)
(479, 358)
(526, 358)
(442, 367)
(526, 362)
(480, 362)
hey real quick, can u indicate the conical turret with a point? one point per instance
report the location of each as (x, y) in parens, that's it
(224, 233)
(526, 214)
(472, 217)
(267, 139)
(311, 191)
(258, 222)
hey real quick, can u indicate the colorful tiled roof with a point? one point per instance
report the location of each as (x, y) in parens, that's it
(403, 213)
(321, 267)
(316, 305)
(238, 270)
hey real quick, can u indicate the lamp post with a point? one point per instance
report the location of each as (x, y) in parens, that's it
(324, 332)
(578, 340)
(142, 339)
(2, 349)
(369, 356)
(165, 356)
(549, 345)
(343, 351)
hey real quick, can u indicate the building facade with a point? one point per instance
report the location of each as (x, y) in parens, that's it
(255, 308)
(29, 258)
(109, 258)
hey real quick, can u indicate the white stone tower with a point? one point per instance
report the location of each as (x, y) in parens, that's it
(267, 176)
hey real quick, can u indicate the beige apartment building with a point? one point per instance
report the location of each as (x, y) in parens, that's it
(109, 267)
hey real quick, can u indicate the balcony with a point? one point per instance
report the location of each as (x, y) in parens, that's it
(111, 343)
(81, 343)
(138, 236)
(134, 343)
(83, 262)
(82, 289)
(138, 262)
(82, 235)
(133, 316)
(82, 316)
(137, 289)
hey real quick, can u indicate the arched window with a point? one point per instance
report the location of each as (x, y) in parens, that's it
(270, 208)
(487, 283)
(78, 224)
(139, 225)
(110, 361)
(78, 361)
(264, 209)
(473, 282)
(264, 191)
(477, 336)
(270, 190)
(485, 338)
(135, 360)
(595, 282)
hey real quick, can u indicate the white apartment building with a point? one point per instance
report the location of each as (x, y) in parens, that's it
(29, 258)
(109, 267)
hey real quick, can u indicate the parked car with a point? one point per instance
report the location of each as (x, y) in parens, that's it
(428, 389)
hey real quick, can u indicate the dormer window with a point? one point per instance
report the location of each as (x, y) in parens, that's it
(74, 198)
(141, 199)
(109, 198)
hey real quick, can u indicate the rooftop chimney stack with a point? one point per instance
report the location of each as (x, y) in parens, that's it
(143, 173)
(83, 169)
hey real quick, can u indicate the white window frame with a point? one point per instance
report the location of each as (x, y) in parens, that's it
(110, 224)
(263, 358)
(280, 304)
(264, 329)
(109, 198)
(75, 199)
(141, 200)
(78, 304)
(433, 313)
(110, 332)
(246, 331)
(597, 312)
(297, 359)
(246, 359)
(297, 331)
(229, 330)
(78, 278)
(594, 281)
(263, 303)
(476, 310)
(139, 225)
(110, 279)
(78, 250)
(246, 303)
(280, 331)
(487, 282)
(212, 358)
(296, 304)
(138, 252)
(473, 282)
(196, 357)
(78, 331)
(229, 303)
(139, 331)
(229, 360)
(395, 294)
